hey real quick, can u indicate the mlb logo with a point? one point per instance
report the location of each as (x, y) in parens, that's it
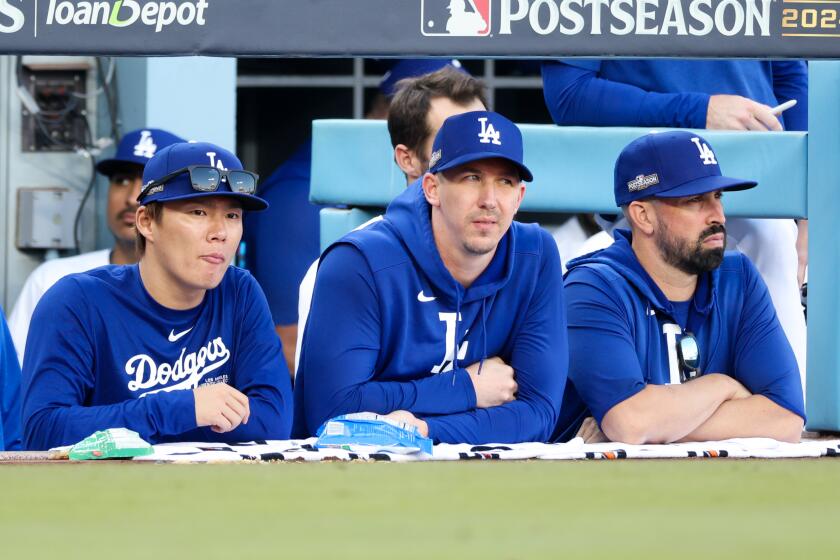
(455, 18)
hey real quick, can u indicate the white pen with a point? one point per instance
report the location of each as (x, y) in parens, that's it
(777, 110)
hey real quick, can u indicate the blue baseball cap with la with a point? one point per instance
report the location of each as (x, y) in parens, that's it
(177, 158)
(478, 135)
(137, 148)
(671, 164)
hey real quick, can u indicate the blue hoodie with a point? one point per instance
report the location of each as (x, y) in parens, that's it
(9, 391)
(382, 331)
(104, 354)
(618, 330)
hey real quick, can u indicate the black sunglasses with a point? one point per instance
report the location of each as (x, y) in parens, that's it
(206, 178)
(688, 352)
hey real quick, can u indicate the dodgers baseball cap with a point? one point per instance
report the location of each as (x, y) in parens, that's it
(670, 164)
(137, 147)
(477, 135)
(177, 157)
(411, 68)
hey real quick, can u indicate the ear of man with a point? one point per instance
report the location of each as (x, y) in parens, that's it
(408, 161)
(143, 223)
(431, 186)
(642, 216)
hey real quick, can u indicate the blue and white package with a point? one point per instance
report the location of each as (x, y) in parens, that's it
(362, 430)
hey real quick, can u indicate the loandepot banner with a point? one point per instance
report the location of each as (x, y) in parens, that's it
(494, 28)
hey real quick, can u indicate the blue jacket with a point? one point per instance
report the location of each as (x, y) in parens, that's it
(282, 242)
(9, 391)
(620, 342)
(102, 353)
(382, 332)
(672, 93)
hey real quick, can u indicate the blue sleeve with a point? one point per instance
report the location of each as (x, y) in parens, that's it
(10, 387)
(604, 366)
(260, 371)
(764, 361)
(790, 81)
(576, 95)
(341, 345)
(59, 379)
(540, 360)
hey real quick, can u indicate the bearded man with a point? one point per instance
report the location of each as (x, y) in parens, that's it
(671, 338)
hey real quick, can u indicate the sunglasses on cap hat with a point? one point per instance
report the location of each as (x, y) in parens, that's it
(206, 178)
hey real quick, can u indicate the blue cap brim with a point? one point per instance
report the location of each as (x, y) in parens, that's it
(524, 173)
(705, 185)
(249, 202)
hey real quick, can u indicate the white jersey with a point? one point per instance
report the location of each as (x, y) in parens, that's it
(41, 280)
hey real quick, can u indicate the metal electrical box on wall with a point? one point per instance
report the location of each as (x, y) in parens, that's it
(54, 112)
(46, 217)
(48, 106)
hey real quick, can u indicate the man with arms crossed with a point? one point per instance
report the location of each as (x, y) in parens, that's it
(674, 339)
(179, 347)
(445, 314)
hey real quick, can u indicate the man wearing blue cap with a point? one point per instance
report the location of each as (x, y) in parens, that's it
(124, 172)
(445, 314)
(673, 339)
(179, 347)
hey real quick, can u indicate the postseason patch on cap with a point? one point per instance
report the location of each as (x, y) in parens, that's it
(641, 182)
(435, 158)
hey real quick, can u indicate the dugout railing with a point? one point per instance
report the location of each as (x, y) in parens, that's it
(353, 167)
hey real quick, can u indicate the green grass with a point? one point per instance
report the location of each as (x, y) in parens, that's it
(621, 509)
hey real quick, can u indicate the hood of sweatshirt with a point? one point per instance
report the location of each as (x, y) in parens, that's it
(620, 257)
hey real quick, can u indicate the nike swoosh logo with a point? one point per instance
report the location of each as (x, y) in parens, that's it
(424, 298)
(176, 337)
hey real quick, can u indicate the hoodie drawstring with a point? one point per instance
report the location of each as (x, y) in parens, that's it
(457, 350)
(483, 335)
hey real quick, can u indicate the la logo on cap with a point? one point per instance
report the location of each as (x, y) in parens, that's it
(217, 163)
(488, 133)
(706, 153)
(146, 146)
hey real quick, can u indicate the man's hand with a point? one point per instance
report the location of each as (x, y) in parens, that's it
(495, 385)
(590, 432)
(733, 112)
(406, 417)
(221, 407)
